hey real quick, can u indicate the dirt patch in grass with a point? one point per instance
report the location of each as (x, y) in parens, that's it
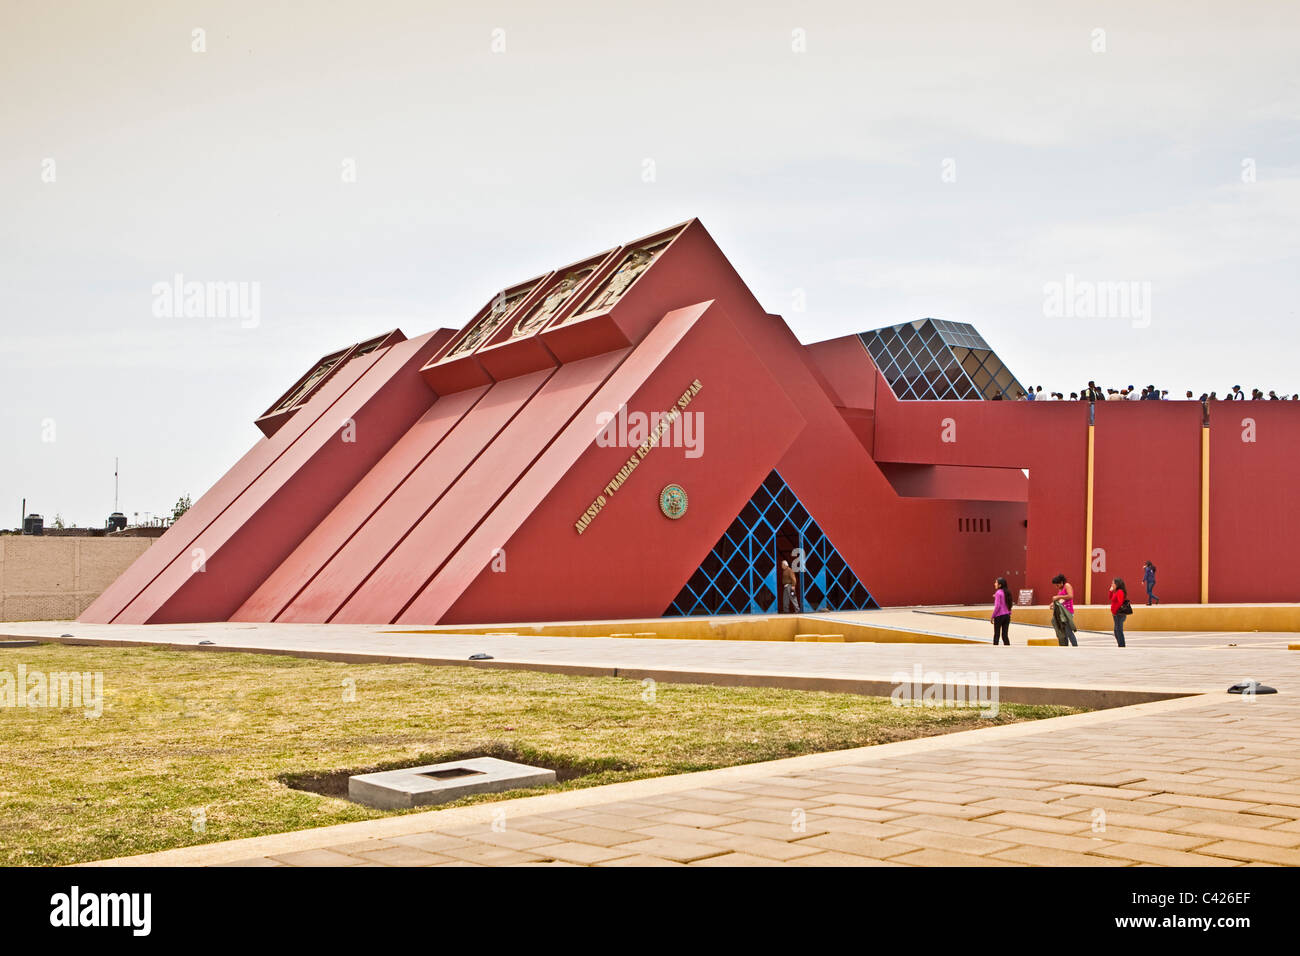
(196, 748)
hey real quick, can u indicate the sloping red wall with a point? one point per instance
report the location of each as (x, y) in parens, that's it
(407, 506)
(235, 535)
(360, 504)
(250, 538)
(631, 555)
(181, 535)
(405, 572)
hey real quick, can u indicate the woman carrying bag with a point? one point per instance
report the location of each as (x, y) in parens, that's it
(1119, 608)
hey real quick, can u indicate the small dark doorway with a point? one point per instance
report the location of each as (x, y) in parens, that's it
(787, 546)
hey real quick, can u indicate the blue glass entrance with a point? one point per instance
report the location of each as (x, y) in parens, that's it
(739, 575)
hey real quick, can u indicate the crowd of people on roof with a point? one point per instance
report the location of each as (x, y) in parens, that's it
(1094, 393)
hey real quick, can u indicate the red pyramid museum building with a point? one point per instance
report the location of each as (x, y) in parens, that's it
(633, 435)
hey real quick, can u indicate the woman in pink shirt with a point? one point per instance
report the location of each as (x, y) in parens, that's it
(1065, 592)
(1001, 612)
(1065, 595)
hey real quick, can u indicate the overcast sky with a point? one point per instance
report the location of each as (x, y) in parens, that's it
(874, 162)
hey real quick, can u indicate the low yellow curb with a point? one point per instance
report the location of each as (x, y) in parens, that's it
(1293, 647)
(780, 627)
(1042, 642)
(1163, 617)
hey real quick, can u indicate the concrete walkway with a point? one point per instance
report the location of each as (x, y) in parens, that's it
(1097, 674)
(1198, 778)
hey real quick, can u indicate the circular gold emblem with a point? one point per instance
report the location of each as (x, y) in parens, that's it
(672, 501)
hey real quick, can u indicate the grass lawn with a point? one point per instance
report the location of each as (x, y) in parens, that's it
(199, 747)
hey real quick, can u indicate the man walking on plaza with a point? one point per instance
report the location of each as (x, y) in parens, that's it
(1149, 579)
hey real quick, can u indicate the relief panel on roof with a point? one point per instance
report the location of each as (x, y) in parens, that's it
(549, 307)
(482, 330)
(635, 263)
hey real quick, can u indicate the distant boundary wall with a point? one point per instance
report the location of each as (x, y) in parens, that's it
(55, 578)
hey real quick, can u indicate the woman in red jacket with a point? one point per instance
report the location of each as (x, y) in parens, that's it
(1118, 597)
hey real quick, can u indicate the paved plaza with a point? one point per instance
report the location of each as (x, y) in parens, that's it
(1180, 773)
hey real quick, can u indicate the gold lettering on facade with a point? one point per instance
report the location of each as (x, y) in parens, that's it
(666, 420)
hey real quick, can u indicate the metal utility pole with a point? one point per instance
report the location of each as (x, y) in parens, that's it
(115, 486)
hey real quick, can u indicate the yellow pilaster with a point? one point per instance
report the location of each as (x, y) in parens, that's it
(1087, 540)
(1205, 514)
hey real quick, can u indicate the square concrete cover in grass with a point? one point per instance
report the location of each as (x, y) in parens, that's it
(441, 782)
